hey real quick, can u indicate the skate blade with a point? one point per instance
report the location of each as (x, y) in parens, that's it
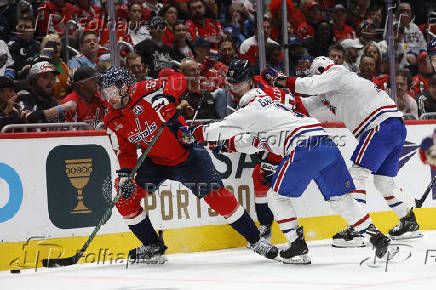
(407, 235)
(300, 259)
(354, 243)
(154, 261)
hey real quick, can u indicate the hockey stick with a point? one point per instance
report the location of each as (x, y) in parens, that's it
(420, 201)
(50, 263)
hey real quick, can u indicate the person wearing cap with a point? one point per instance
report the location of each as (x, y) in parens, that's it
(155, 54)
(313, 16)
(9, 109)
(340, 29)
(84, 103)
(431, 51)
(425, 71)
(351, 47)
(201, 26)
(37, 100)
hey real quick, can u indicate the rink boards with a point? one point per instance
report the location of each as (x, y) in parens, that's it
(57, 187)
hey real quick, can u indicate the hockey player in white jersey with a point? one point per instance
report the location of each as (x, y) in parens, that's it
(373, 118)
(309, 154)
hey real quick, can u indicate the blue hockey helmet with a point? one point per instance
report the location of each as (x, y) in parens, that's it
(239, 70)
(116, 76)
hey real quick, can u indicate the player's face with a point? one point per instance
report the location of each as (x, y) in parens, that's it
(239, 89)
(112, 95)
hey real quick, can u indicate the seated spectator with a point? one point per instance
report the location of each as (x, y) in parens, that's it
(273, 54)
(181, 6)
(227, 52)
(197, 99)
(85, 11)
(367, 67)
(372, 49)
(337, 54)
(152, 7)
(136, 67)
(138, 31)
(351, 47)
(313, 17)
(425, 71)
(9, 109)
(89, 52)
(295, 18)
(405, 102)
(53, 15)
(155, 54)
(201, 26)
(413, 41)
(51, 49)
(359, 12)
(6, 61)
(23, 46)
(340, 29)
(249, 49)
(124, 10)
(296, 51)
(169, 13)
(319, 44)
(431, 51)
(427, 101)
(84, 104)
(182, 47)
(37, 100)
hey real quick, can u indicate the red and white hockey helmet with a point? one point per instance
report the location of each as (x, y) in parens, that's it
(319, 65)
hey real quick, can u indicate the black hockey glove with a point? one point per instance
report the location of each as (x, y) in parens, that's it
(126, 186)
(268, 169)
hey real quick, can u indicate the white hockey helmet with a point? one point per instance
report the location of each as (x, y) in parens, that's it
(319, 64)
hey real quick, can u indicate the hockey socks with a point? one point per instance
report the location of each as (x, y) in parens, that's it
(284, 214)
(264, 214)
(144, 231)
(246, 227)
(351, 211)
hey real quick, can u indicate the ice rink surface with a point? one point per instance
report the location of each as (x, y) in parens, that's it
(331, 268)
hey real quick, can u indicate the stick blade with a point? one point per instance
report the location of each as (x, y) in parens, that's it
(61, 262)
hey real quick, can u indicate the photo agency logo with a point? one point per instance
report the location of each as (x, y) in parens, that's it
(76, 175)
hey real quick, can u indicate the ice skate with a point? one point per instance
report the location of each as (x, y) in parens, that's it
(408, 228)
(297, 251)
(380, 243)
(262, 247)
(348, 238)
(149, 254)
(265, 232)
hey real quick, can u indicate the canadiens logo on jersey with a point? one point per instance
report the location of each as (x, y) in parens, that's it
(326, 103)
(141, 135)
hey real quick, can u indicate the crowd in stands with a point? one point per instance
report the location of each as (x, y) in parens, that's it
(52, 51)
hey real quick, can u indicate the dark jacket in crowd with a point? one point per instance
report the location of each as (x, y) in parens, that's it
(155, 57)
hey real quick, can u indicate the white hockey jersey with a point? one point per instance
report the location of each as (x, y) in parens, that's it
(278, 128)
(357, 102)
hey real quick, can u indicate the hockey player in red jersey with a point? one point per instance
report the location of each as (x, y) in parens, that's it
(138, 109)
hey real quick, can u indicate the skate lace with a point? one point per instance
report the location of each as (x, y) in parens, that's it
(262, 247)
(263, 229)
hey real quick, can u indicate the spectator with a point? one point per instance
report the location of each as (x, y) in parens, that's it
(295, 17)
(340, 29)
(9, 110)
(84, 104)
(155, 54)
(123, 11)
(351, 47)
(23, 46)
(371, 49)
(201, 26)
(181, 7)
(313, 16)
(6, 60)
(5, 27)
(197, 99)
(182, 47)
(89, 52)
(361, 11)
(249, 49)
(376, 16)
(227, 52)
(431, 51)
(296, 51)
(337, 54)
(425, 71)
(84, 11)
(367, 67)
(53, 15)
(170, 14)
(400, 55)
(413, 42)
(152, 7)
(320, 43)
(405, 102)
(135, 66)
(273, 54)
(241, 23)
(51, 51)
(366, 32)
(37, 100)
(427, 101)
(137, 30)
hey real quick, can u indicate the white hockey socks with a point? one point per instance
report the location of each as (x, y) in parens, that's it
(284, 214)
(359, 175)
(351, 211)
(395, 197)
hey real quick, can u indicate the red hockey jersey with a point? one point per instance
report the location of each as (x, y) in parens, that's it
(137, 124)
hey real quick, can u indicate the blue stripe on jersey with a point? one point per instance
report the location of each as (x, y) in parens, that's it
(372, 119)
(396, 204)
(302, 132)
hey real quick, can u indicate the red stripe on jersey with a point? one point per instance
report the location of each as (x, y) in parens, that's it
(370, 115)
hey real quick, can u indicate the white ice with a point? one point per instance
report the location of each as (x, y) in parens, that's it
(331, 268)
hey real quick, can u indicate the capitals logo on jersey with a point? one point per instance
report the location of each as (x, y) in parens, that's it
(327, 103)
(141, 135)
